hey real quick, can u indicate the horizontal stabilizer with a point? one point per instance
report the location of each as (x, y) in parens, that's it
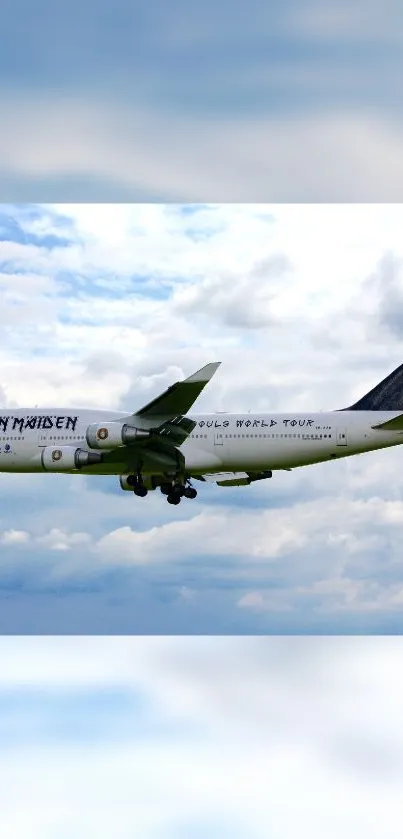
(179, 398)
(395, 424)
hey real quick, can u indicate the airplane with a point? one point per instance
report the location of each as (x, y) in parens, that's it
(162, 446)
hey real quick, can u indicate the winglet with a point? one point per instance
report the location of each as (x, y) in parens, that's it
(204, 374)
(179, 398)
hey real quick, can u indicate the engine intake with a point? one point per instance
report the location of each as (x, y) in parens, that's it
(65, 458)
(110, 435)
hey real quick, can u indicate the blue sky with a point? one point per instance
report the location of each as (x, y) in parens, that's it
(222, 58)
(179, 737)
(105, 306)
(232, 101)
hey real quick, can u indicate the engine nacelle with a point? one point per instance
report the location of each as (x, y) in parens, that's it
(110, 435)
(128, 482)
(65, 458)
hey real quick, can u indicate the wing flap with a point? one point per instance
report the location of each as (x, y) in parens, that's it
(227, 479)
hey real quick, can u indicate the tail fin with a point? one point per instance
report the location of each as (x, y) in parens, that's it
(387, 396)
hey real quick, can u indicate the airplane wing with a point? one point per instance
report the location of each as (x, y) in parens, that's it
(395, 424)
(165, 414)
(179, 398)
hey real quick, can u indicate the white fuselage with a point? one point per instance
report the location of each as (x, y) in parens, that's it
(218, 443)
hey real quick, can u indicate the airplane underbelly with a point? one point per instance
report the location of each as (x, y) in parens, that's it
(21, 462)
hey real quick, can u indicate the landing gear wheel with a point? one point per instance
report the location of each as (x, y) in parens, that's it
(140, 491)
(166, 489)
(190, 492)
(173, 499)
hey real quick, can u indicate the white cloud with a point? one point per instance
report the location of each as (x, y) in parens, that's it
(57, 540)
(14, 537)
(255, 534)
(109, 340)
(330, 555)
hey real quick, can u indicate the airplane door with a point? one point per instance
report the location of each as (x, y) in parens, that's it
(341, 436)
(218, 438)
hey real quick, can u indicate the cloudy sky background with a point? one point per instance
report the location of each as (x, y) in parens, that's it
(186, 738)
(105, 306)
(122, 100)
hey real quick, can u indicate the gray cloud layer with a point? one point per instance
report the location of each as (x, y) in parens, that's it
(295, 102)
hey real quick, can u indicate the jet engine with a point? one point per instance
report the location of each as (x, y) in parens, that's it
(65, 458)
(110, 435)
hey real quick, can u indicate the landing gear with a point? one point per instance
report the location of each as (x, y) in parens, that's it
(173, 499)
(136, 482)
(176, 491)
(175, 487)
